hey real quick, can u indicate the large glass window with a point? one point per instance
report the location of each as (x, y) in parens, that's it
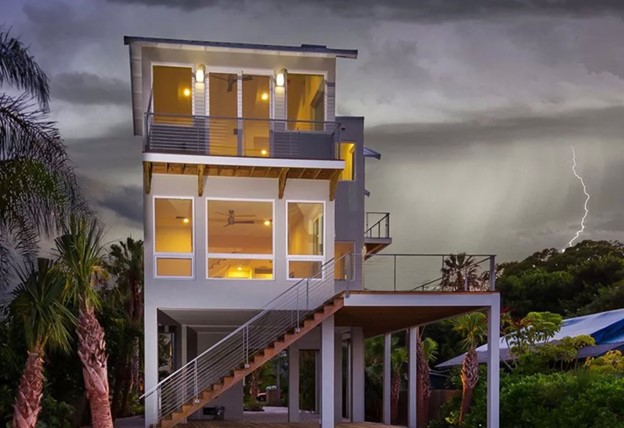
(306, 239)
(172, 94)
(240, 239)
(256, 103)
(173, 237)
(347, 154)
(223, 127)
(306, 102)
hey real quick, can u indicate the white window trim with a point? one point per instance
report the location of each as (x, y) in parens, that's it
(166, 255)
(241, 256)
(302, 257)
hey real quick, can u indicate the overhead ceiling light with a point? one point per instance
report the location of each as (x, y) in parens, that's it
(264, 96)
(240, 268)
(280, 78)
(200, 73)
(185, 220)
(267, 222)
(263, 152)
(187, 92)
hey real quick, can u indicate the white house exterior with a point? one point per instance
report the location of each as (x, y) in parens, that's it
(256, 235)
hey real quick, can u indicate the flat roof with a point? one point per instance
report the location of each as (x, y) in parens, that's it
(302, 49)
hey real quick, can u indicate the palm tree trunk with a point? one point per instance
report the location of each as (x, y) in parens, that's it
(28, 401)
(469, 377)
(395, 391)
(92, 353)
(423, 385)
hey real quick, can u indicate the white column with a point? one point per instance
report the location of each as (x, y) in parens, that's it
(151, 365)
(387, 378)
(317, 383)
(327, 373)
(293, 383)
(184, 344)
(338, 377)
(357, 375)
(411, 378)
(493, 364)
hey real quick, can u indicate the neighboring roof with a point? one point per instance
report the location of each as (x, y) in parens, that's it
(303, 49)
(605, 327)
(369, 153)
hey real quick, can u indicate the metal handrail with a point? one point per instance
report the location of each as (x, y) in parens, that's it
(284, 313)
(375, 231)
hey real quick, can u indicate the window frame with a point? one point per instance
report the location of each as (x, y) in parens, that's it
(300, 257)
(240, 256)
(164, 255)
(310, 72)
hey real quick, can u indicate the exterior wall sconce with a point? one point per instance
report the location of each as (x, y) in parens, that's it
(200, 73)
(280, 78)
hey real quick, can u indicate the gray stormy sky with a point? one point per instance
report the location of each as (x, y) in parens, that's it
(473, 105)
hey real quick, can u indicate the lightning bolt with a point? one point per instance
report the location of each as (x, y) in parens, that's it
(578, 232)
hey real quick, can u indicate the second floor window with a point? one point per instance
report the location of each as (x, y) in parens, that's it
(173, 237)
(306, 239)
(240, 239)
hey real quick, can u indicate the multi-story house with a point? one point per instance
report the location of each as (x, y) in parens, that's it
(257, 241)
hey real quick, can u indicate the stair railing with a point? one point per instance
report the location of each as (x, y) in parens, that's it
(283, 314)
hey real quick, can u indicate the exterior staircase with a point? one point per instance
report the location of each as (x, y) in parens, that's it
(282, 322)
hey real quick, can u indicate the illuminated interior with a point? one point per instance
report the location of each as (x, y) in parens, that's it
(223, 127)
(306, 102)
(172, 94)
(299, 269)
(305, 228)
(347, 154)
(240, 235)
(173, 225)
(256, 110)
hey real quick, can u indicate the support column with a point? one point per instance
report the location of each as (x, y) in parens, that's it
(493, 364)
(293, 383)
(387, 378)
(411, 378)
(151, 365)
(337, 377)
(184, 345)
(327, 373)
(317, 382)
(357, 375)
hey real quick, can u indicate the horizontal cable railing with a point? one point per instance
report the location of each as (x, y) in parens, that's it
(429, 272)
(377, 225)
(285, 313)
(240, 137)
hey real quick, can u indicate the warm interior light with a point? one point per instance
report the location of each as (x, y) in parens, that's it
(267, 222)
(263, 152)
(240, 268)
(280, 78)
(264, 96)
(200, 73)
(187, 92)
(185, 220)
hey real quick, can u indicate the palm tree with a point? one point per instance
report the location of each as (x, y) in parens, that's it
(473, 327)
(38, 186)
(44, 318)
(81, 254)
(398, 359)
(427, 350)
(459, 273)
(126, 265)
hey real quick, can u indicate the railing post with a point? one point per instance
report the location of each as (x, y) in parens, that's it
(307, 294)
(297, 329)
(145, 132)
(387, 225)
(492, 273)
(195, 390)
(395, 271)
(246, 345)
(466, 279)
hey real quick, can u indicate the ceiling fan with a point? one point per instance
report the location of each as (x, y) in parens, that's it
(231, 79)
(231, 218)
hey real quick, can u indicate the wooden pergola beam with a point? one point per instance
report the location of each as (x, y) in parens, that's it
(147, 177)
(333, 183)
(200, 180)
(283, 175)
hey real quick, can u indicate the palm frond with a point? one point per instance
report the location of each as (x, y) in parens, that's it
(19, 68)
(472, 327)
(38, 303)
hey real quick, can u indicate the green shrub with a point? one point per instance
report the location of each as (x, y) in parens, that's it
(252, 405)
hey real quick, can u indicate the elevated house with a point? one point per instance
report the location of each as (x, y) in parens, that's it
(256, 236)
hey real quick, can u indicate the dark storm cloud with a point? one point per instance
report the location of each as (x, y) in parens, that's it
(86, 88)
(126, 202)
(414, 10)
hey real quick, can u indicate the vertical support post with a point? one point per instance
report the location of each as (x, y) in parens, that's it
(195, 390)
(412, 397)
(394, 257)
(297, 329)
(357, 374)
(327, 373)
(387, 378)
(493, 364)
(337, 378)
(307, 294)
(492, 273)
(152, 401)
(293, 383)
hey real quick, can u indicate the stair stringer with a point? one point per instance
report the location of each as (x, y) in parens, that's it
(278, 345)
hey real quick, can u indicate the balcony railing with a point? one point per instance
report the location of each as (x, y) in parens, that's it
(429, 272)
(240, 137)
(377, 225)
